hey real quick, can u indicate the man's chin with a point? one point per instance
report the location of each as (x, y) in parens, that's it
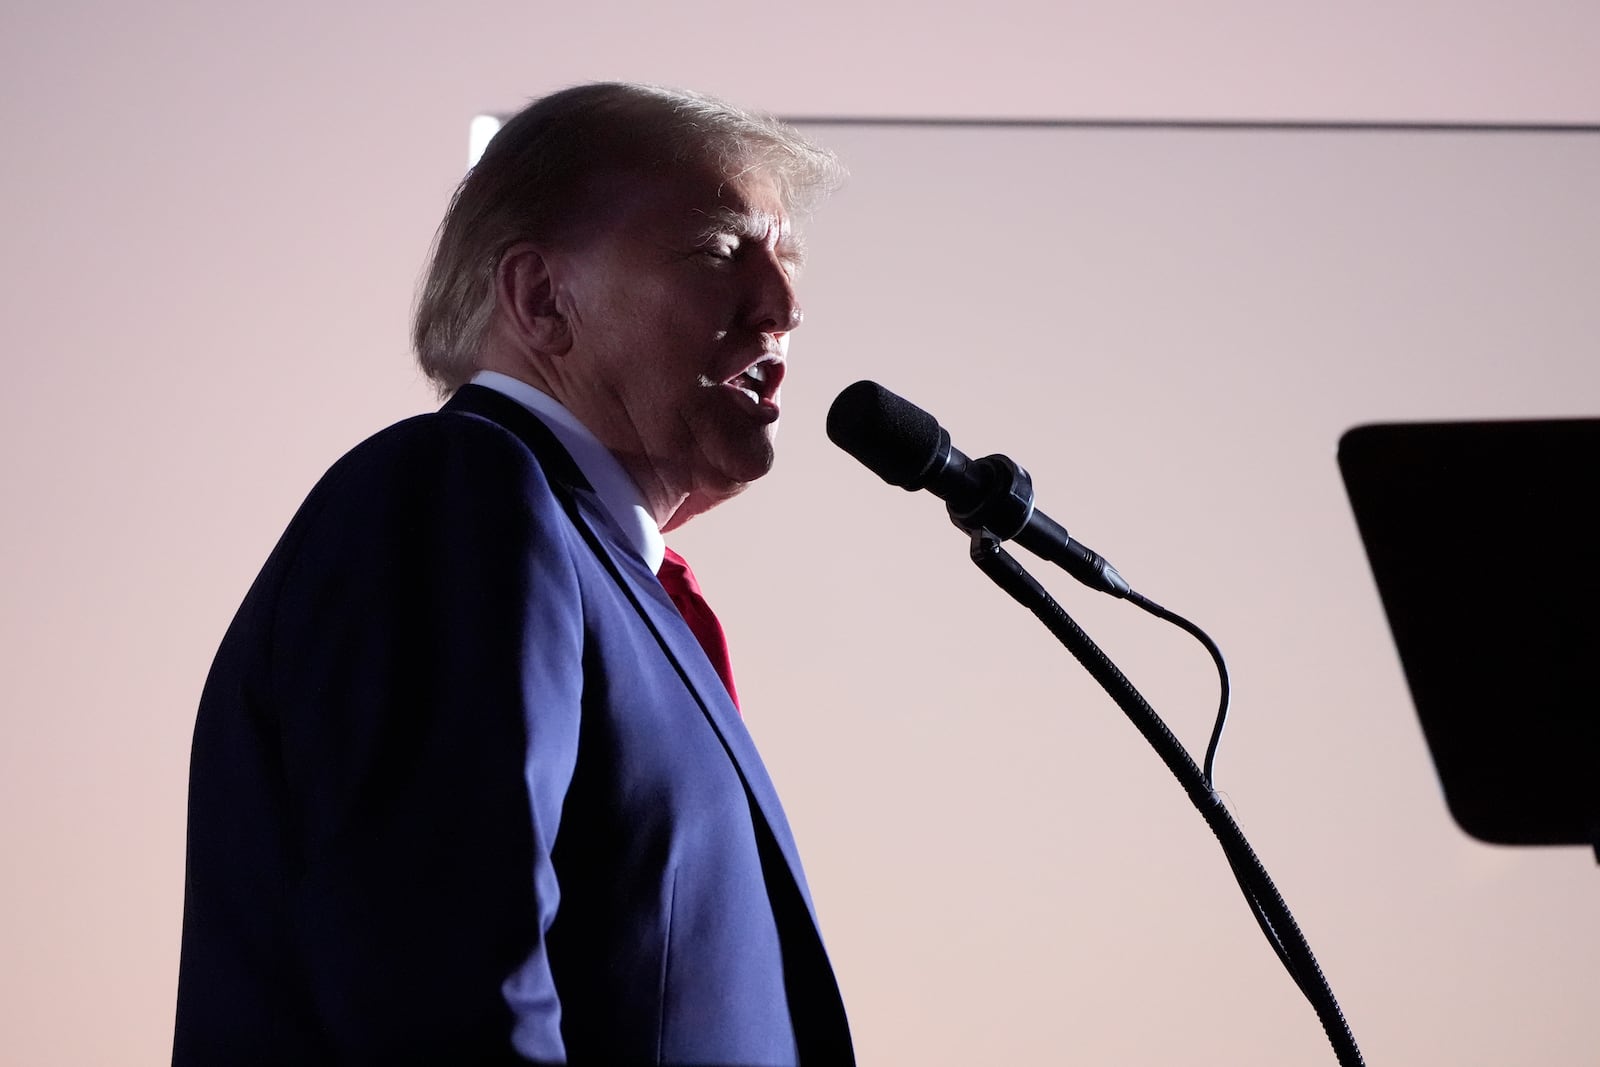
(730, 477)
(755, 466)
(734, 478)
(741, 457)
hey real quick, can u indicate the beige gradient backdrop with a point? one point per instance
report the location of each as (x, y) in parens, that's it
(213, 222)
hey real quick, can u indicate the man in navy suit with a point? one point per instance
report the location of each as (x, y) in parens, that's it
(465, 788)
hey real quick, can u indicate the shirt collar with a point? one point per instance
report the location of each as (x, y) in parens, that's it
(617, 491)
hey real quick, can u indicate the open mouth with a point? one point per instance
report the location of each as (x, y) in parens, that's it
(759, 382)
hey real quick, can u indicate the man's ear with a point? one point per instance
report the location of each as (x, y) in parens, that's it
(525, 294)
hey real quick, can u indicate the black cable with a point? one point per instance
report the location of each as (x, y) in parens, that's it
(1144, 602)
(1266, 904)
(1208, 768)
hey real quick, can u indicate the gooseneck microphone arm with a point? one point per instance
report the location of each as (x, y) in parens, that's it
(1267, 906)
(991, 499)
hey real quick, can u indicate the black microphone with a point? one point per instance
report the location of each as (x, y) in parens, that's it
(906, 446)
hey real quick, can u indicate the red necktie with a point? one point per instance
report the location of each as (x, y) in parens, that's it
(679, 582)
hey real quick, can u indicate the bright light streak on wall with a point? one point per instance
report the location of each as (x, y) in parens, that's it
(482, 129)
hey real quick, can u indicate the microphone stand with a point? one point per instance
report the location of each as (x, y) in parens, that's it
(1266, 905)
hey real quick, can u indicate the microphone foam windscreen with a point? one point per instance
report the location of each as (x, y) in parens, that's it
(897, 440)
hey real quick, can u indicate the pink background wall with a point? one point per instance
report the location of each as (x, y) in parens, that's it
(213, 223)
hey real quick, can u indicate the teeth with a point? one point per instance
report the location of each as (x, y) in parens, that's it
(757, 373)
(751, 393)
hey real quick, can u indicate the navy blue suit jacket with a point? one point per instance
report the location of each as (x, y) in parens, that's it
(458, 751)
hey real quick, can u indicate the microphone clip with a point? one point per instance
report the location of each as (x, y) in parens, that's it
(999, 502)
(996, 498)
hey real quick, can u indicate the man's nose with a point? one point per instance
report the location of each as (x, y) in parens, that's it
(776, 307)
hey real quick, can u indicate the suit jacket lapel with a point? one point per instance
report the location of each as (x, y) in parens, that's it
(685, 651)
(653, 604)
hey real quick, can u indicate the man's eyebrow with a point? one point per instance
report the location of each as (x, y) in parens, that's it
(754, 225)
(721, 220)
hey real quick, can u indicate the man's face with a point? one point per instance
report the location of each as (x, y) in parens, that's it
(680, 303)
